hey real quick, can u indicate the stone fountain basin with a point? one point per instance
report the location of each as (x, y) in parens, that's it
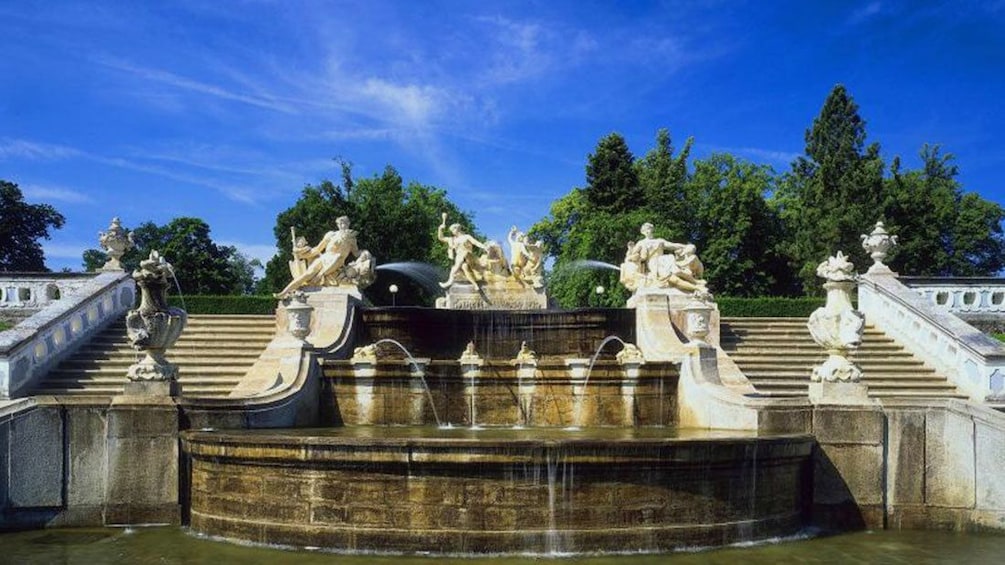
(462, 491)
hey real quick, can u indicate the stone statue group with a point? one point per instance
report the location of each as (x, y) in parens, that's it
(524, 267)
(650, 263)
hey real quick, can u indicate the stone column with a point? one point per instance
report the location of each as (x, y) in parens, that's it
(364, 370)
(471, 368)
(582, 409)
(631, 360)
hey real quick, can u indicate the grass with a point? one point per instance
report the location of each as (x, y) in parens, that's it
(5, 325)
(999, 337)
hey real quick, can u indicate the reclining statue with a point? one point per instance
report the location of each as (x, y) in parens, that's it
(658, 263)
(327, 263)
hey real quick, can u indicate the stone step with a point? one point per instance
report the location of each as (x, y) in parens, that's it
(873, 383)
(875, 364)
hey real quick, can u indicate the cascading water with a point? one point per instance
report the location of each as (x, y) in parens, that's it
(418, 371)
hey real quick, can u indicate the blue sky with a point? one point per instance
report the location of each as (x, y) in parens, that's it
(224, 110)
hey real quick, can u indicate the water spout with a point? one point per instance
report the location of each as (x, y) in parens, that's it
(592, 264)
(603, 344)
(426, 275)
(415, 368)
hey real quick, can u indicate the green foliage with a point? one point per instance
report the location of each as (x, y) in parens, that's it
(21, 226)
(999, 337)
(202, 266)
(395, 222)
(767, 307)
(228, 304)
(833, 193)
(612, 184)
(663, 179)
(737, 234)
(5, 325)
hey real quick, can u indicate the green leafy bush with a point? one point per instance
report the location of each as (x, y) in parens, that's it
(768, 307)
(234, 304)
(999, 337)
(5, 325)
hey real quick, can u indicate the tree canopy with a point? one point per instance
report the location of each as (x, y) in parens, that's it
(22, 225)
(763, 233)
(395, 221)
(201, 265)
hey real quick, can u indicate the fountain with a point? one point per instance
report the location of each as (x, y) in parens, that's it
(535, 442)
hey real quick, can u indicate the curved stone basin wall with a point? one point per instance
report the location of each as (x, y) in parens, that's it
(443, 334)
(499, 491)
(499, 396)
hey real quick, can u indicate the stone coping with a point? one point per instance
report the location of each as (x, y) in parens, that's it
(58, 311)
(46, 275)
(951, 281)
(967, 336)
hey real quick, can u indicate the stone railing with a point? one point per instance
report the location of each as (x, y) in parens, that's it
(34, 291)
(37, 344)
(961, 295)
(973, 361)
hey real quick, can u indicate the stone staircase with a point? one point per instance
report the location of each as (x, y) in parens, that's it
(778, 355)
(212, 355)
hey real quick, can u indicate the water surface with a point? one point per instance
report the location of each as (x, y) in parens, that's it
(178, 546)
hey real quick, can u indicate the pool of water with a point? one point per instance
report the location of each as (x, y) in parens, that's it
(178, 545)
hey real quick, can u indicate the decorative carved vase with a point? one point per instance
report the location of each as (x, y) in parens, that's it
(837, 326)
(298, 315)
(116, 242)
(154, 326)
(697, 316)
(878, 245)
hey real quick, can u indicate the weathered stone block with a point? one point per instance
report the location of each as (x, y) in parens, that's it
(906, 453)
(848, 473)
(949, 470)
(36, 459)
(990, 449)
(848, 425)
(87, 456)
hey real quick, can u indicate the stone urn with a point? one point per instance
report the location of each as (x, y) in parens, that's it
(116, 242)
(878, 245)
(154, 326)
(697, 316)
(298, 315)
(837, 326)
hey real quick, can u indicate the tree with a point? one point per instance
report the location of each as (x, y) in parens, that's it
(941, 230)
(663, 180)
(202, 266)
(736, 233)
(21, 226)
(612, 184)
(832, 191)
(395, 222)
(594, 223)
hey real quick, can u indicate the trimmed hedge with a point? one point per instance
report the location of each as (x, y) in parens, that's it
(771, 307)
(768, 307)
(237, 304)
(999, 337)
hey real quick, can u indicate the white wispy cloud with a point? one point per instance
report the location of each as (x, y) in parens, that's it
(173, 80)
(43, 193)
(781, 157)
(34, 151)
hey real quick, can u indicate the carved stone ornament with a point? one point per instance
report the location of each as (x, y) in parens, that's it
(365, 354)
(154, 326)
(655, 263)
(469, 356)
(878, 245)
(698, 316)
(630, 354)
(837, 326)
(298, 315)
(328, 264)
(526, 354)
(116, 242)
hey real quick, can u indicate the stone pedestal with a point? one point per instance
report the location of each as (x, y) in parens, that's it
(837, 392)
(509, 295)
(658, 313)
(331, 316)
(142, 447)
(152, 389)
